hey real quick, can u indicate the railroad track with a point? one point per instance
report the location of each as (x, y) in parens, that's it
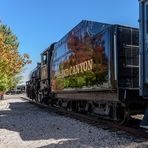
(132, 129)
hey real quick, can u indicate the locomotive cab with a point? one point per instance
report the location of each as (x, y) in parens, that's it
(44, 70)
(45, 74)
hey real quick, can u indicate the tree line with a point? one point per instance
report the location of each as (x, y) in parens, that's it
(11, 61)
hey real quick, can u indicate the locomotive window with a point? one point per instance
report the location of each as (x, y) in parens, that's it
(45, 59)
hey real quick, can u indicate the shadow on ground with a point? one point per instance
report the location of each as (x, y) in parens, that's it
(34, 123)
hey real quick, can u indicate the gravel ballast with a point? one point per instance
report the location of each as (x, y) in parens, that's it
(24, 125)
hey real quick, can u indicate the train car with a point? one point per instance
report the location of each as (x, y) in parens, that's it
(95, 68)
(143, 24)
(143, 72)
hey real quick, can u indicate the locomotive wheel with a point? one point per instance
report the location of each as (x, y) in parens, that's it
(75, 106)
(90, 109)
(123, 115)
(69, 104)
(119, 114)
(60, 103)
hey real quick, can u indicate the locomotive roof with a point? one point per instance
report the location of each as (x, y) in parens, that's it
(48, 48)
(143, 0)
(90, 27)
(85, 25)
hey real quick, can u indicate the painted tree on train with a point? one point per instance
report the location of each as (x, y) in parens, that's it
(11, 61)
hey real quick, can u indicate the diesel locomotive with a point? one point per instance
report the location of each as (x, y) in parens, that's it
(95, 68)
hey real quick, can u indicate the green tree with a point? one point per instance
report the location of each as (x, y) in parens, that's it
(11, 61)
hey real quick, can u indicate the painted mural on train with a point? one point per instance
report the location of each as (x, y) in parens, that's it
(81, 60)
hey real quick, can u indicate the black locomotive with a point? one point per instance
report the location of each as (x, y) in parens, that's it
(92, 69)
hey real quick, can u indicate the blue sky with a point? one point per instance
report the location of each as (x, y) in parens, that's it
(38, 23)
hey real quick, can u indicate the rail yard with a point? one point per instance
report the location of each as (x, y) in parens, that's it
(88, 90)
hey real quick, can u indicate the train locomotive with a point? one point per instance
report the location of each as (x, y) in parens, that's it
(93, 69)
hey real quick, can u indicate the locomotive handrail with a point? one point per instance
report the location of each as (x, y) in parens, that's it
(131, 66)
(135, 46)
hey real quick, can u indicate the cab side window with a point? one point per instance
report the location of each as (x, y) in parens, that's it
(44, 59)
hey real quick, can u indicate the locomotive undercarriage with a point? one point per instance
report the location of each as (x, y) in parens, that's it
(105, 104)
(95, 104)
(106, 110)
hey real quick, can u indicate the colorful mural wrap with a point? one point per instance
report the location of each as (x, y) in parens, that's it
(81, 60)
